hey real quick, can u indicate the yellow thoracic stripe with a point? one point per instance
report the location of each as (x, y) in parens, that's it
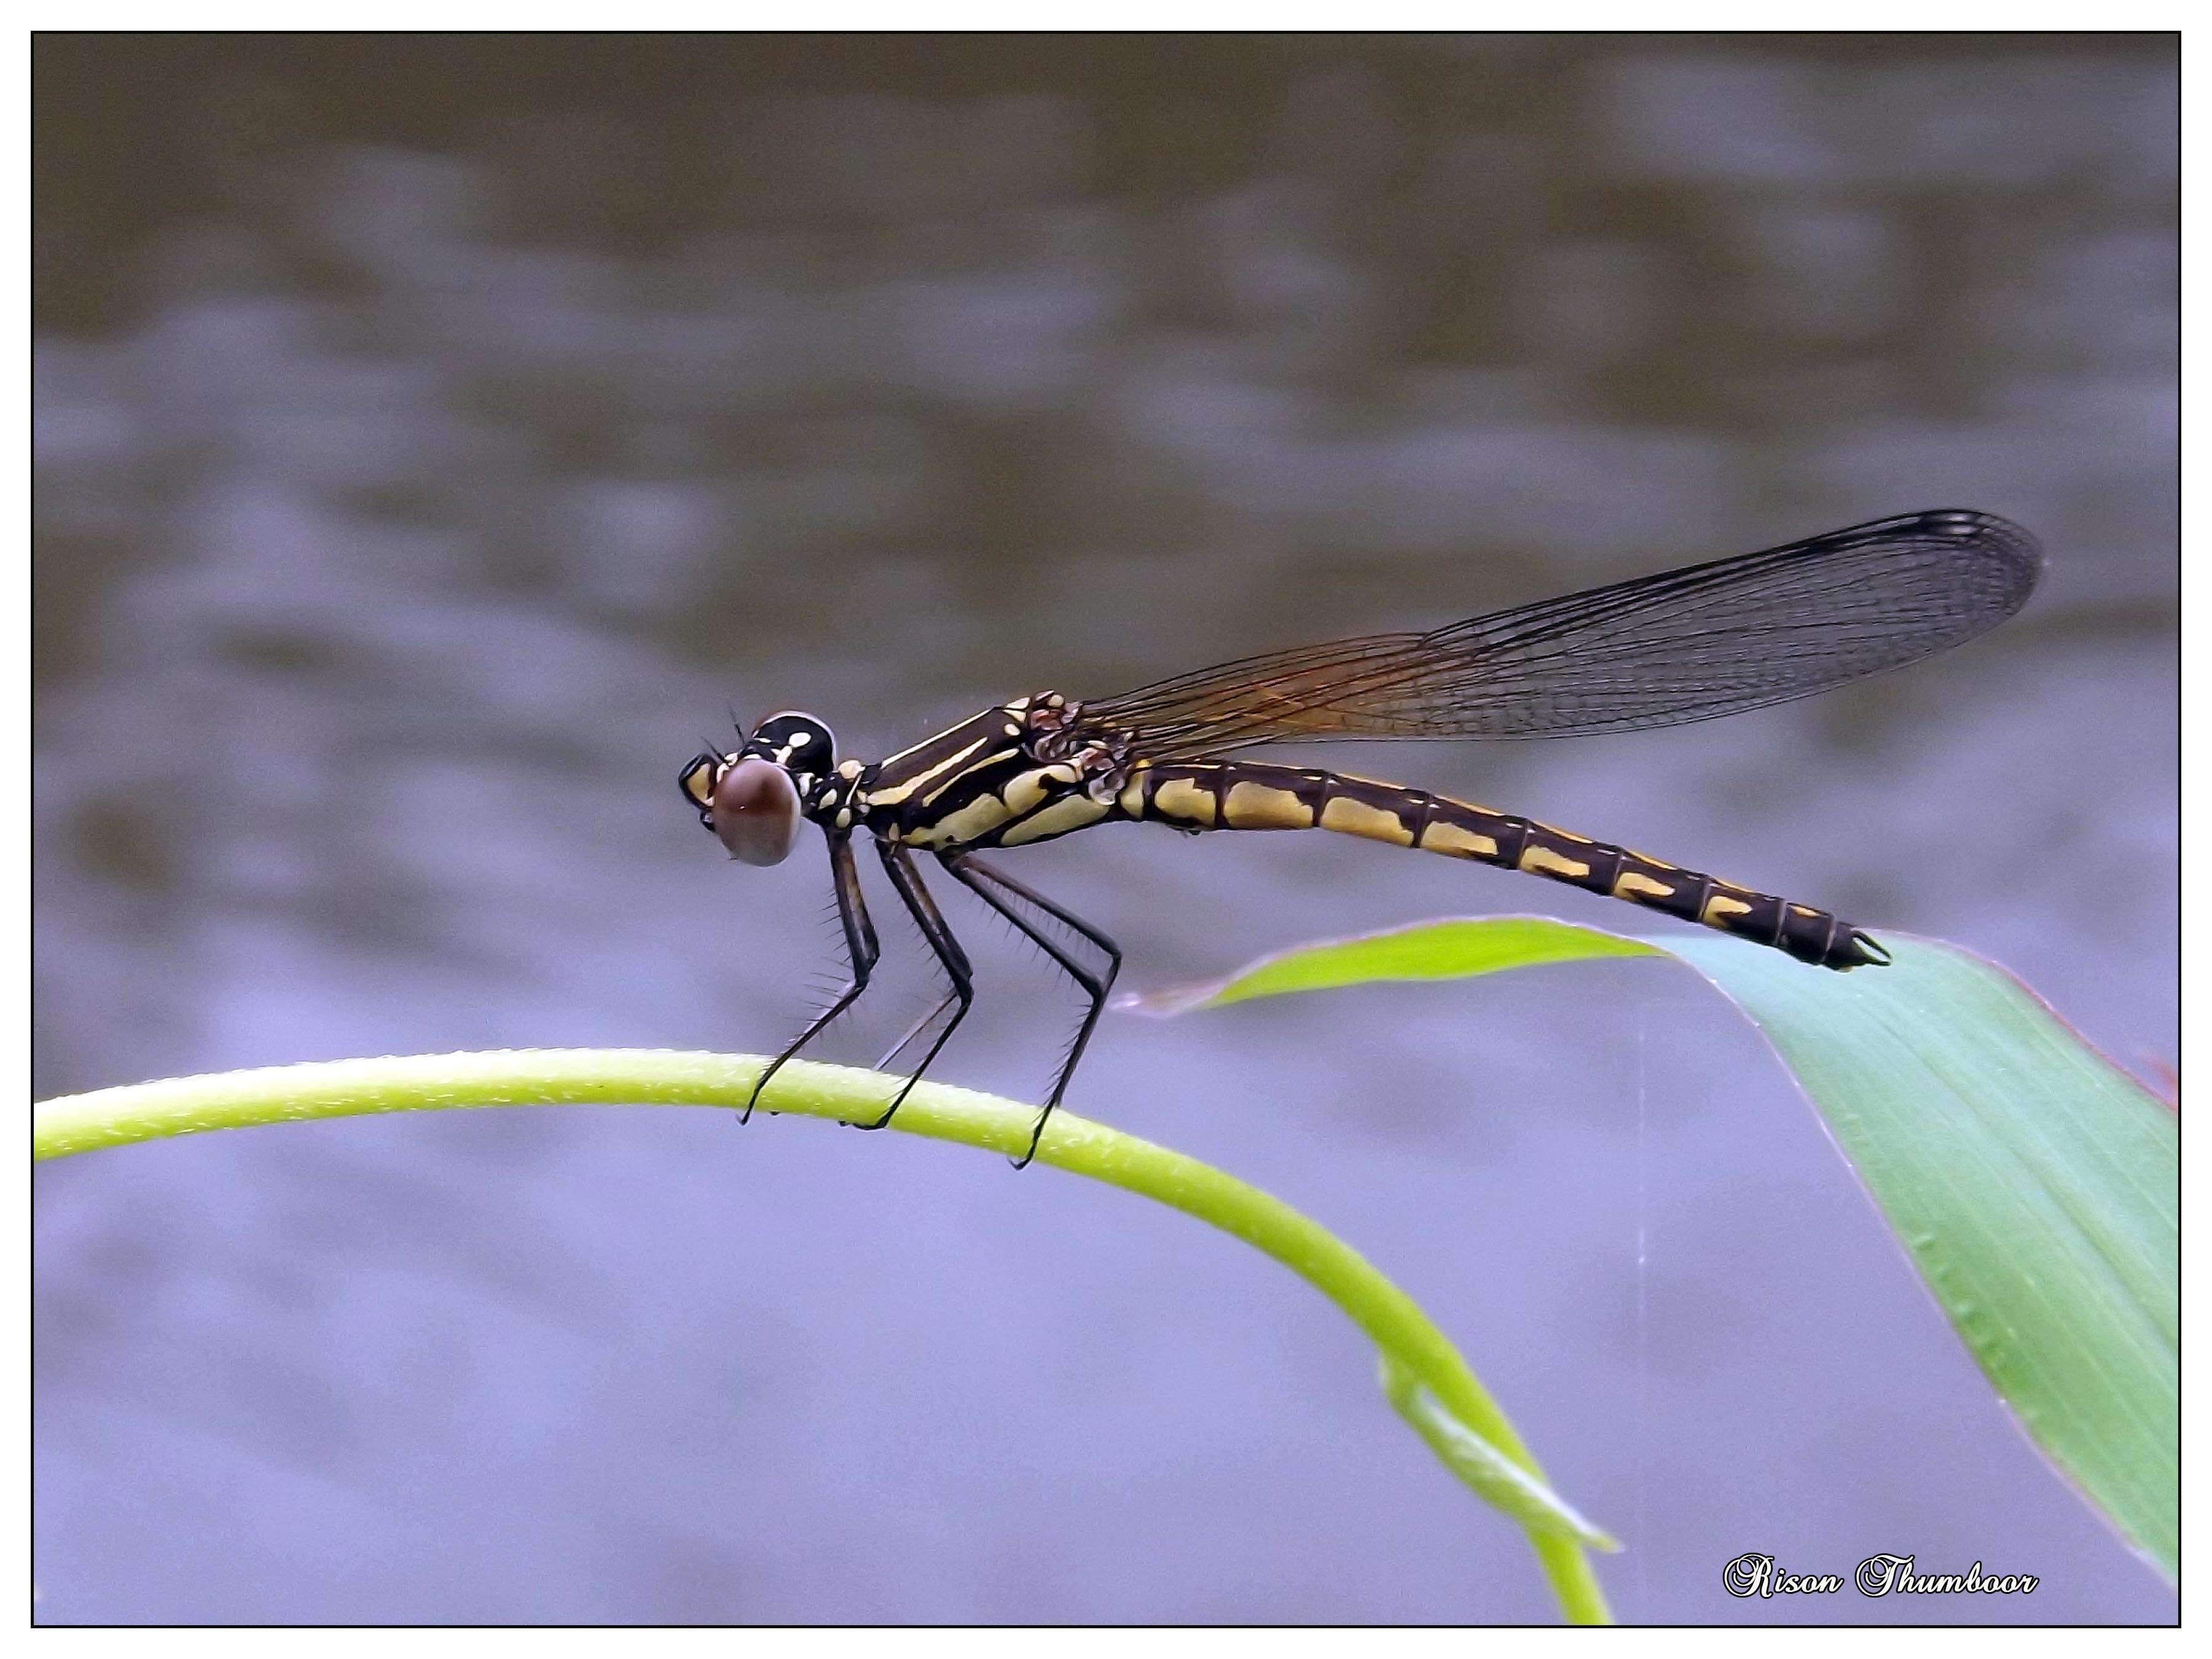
(1068, 812)
(939, 774)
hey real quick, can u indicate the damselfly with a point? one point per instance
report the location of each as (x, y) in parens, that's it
(1687, 645)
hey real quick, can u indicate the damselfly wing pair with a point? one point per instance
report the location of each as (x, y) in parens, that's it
(1685, 645)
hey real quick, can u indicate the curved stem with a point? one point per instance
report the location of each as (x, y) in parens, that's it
(111, 1117)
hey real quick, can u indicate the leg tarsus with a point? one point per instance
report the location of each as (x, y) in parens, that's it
(1036, 1134)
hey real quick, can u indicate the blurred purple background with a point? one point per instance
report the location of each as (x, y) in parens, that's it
(434, 438)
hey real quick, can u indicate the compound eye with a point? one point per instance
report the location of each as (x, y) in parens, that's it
(754, 811)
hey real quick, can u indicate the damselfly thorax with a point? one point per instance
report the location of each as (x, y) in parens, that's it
(1692, 644)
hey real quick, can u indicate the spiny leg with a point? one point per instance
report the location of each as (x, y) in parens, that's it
(915, 1030)
(923, 1024)
(898, 865)
(992, 887)
(861, 950)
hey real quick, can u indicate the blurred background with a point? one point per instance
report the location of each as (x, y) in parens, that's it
(436, 440)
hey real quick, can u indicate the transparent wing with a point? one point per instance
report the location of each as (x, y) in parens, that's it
(1687, 645)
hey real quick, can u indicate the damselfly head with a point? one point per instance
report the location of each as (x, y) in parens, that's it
(752, 799)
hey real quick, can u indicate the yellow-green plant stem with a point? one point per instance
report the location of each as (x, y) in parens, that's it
(1408, 1341)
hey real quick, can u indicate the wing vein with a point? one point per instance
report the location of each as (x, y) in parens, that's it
(1693, 644)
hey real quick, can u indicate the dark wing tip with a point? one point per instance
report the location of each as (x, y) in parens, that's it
(2012, 557)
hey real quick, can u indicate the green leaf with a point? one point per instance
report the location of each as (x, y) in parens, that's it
(1430, 950)
(2034, 1184)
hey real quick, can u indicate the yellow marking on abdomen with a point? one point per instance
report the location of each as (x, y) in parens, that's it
(1720, 906)
(1456, 843)
(1542, 861)
(1634, 886)
(1357, 817)
(1179, 798)
(1258, 806)
(1070, 813)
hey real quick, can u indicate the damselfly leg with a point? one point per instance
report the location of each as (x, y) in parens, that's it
(898, 865)
(996, 890)
(861, 950)
(883, 1063)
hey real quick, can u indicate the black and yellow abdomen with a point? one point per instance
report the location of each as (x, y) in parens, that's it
(1241, 795)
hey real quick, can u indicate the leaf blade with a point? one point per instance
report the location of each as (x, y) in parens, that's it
(2034, 1185)
(1455, 948)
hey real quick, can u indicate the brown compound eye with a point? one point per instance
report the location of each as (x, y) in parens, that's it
(754, 811)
